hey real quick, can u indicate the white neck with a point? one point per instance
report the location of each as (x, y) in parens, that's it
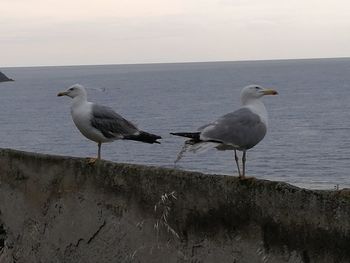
(258, 107)
(79, 100)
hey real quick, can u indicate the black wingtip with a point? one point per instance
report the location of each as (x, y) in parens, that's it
(192, 135)
(144, 137)
(157, 138)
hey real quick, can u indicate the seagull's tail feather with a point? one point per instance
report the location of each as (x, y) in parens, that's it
(143, 137)
(201, 146)
(194, 144)
(195, 147)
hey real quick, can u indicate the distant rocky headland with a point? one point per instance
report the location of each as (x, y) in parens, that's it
(4, 78)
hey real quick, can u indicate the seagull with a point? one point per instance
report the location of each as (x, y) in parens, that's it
(240, 130)
(100, 123)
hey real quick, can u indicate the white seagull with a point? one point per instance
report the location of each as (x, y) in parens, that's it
(100, 123)
(239, 130)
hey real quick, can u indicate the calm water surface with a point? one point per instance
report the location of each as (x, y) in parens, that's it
(307, 143)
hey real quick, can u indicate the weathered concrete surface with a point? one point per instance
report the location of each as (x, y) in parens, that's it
(61, 209)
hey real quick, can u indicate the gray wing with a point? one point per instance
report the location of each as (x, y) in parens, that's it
(242, 129)
(110, 123)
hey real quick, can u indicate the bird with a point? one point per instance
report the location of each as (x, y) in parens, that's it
(102, 124)
(239, 130)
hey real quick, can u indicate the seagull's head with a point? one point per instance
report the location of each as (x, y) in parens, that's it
(76, 90)
(255, 92)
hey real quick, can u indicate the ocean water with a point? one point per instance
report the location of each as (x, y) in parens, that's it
(307, 143)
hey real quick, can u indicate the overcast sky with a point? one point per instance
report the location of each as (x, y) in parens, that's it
(75, 32)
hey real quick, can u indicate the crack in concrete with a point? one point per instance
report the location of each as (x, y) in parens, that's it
(97, 232)
(3, 235)
(79, 240)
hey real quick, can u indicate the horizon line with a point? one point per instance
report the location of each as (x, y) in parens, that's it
(177, 62)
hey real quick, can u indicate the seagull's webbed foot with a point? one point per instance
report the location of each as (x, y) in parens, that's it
(92, 161)
(243, 177)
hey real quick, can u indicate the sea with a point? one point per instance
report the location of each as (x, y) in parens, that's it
(307, 143)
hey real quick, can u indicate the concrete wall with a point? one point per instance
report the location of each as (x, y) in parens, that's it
(62, 209)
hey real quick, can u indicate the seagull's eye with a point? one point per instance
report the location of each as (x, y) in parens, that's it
(257, 88)
(71, 89)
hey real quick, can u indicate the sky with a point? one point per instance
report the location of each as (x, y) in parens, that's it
(77, 32)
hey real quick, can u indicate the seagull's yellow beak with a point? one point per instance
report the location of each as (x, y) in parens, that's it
(62, 94)
(270, 92)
